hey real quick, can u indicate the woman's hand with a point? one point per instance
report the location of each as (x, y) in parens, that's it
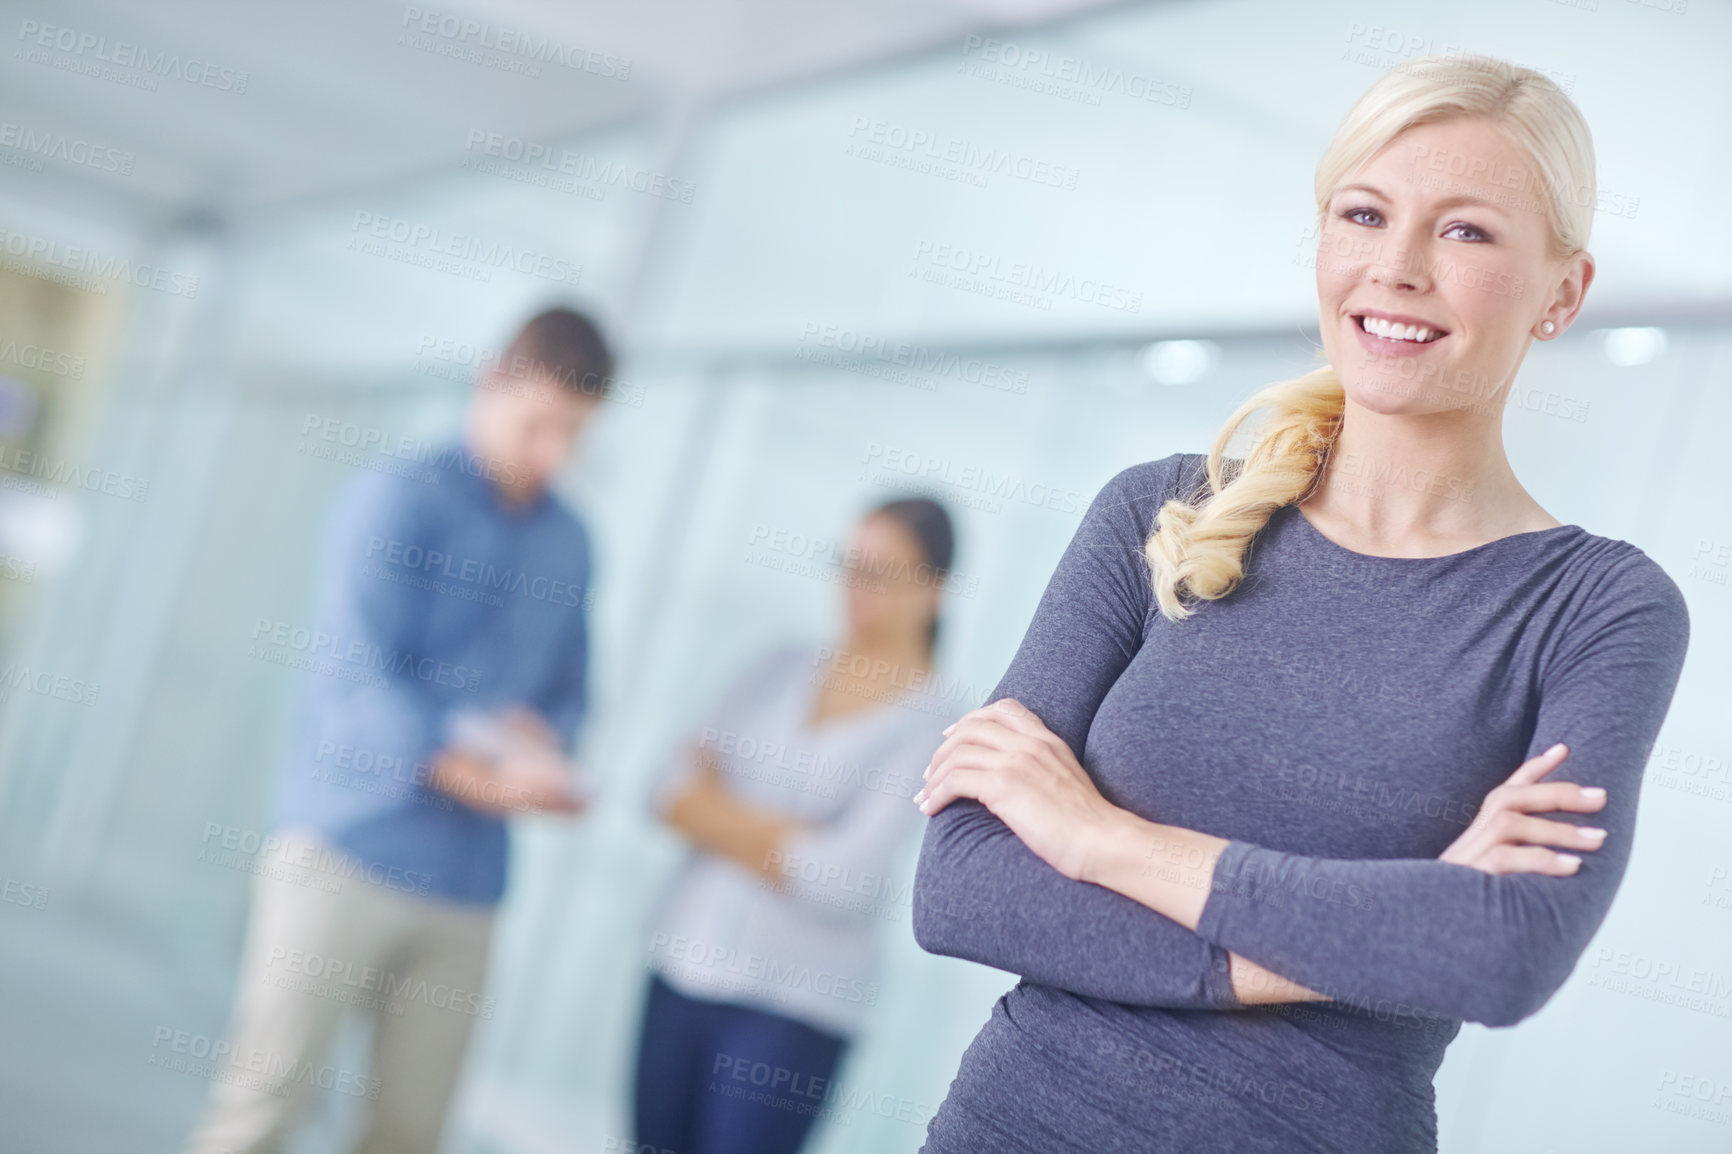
(1005, 757)
(1505, 837)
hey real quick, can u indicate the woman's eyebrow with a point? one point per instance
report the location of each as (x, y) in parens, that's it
(1448, 202)
(1475, 201)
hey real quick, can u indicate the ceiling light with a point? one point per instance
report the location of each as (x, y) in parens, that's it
(1629, 347)
(1180, 362)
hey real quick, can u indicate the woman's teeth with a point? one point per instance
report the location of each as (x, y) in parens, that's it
(1394, 332)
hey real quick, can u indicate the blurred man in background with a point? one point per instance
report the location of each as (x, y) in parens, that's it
(452, 600)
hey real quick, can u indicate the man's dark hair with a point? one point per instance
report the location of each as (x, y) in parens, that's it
(564, 345)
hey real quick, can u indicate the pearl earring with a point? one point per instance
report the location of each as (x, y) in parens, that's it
(1547, 328)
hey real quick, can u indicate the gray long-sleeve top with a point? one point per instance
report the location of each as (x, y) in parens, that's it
(1339, 717)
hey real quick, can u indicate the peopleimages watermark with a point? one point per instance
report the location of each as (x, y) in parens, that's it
(934, 153)
(922, 690)
(461, 254)
(389, 775)
(1306, 674)
(43, 359)
(1467, 389)
(797, 1091)
(1349, 254)
(296, 860)
(41, 144)
(368, 446)
(746, 972)
(861, 565)
(1466, 172)
(1063, 76)
(972, 485)
(1688, 771)
(482, 579)
(1719, 887)
(1711, 561)
(297, 646)
(1200, 1082)
(19, 569)
(839, 884)
(502, 46)
(218, 1059)
(1372, 45)
(801, 767)
(1282, 885)
(384, 774)
(79, 267)
(27, 894)
(368, 987)
(462, 361)
(942, 902)
(1018, 282)
(796, 565)
(528, 160)
(93, 55)
(1362, 796)
(57, 471)
(1374, 476)
(837, 347)
(1343, 249)
(1691, 1095)
(44, 683)
(1662, 980)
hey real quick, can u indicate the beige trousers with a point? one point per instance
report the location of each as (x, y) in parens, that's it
(319, 944)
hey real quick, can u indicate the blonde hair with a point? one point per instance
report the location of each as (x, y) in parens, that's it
(1200, 549)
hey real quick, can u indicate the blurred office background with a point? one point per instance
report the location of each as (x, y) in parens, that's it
(209, 290)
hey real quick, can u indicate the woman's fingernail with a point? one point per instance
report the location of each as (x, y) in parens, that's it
(1554, 749)
(928, 772)
(1593, 792)
(1592, 831)
(1569, 859)
(920, 797)
(948, 728)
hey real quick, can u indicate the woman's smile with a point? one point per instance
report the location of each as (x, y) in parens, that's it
(1395, 334)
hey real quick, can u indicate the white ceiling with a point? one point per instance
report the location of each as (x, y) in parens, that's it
(336, 107)
(335, 100)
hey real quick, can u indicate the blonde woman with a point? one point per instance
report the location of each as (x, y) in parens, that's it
(1242, 812)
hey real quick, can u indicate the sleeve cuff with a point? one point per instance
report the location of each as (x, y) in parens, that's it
(1218, 986)
(1225, 888)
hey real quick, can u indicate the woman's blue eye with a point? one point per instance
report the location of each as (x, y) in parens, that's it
(1354, 214)
(1479, 233)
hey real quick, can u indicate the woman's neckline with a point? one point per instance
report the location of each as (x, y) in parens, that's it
(814, 690)
(1336, 546)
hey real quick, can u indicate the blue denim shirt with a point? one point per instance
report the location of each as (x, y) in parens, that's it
(433, 596)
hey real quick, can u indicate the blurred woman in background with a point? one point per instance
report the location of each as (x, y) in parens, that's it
(794, 795)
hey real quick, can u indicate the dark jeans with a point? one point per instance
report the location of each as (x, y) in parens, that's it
(714, 1078)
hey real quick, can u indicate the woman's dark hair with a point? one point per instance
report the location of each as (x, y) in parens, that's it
(930, 524)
